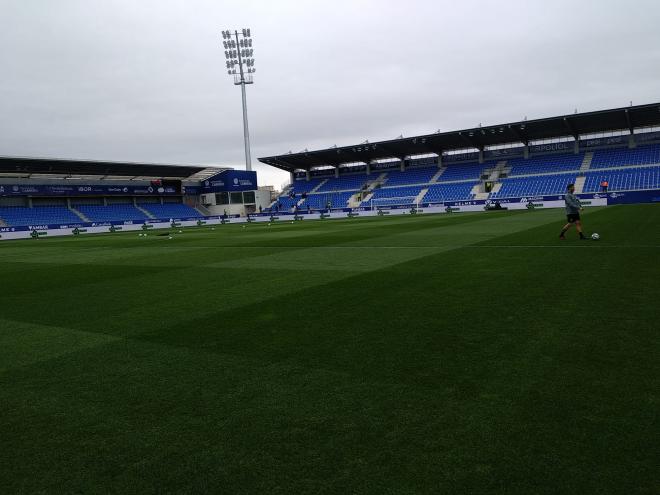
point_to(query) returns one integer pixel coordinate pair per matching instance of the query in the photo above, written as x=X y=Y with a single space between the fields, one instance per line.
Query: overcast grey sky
x=144 y=80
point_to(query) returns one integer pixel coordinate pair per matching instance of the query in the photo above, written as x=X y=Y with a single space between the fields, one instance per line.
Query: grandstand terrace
x=44 y=191
x=514 y=160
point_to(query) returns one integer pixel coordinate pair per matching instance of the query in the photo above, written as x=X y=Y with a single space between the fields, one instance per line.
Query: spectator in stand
x=604 y=185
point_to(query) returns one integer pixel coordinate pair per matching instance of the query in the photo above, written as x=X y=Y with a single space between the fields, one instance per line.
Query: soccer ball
x=269 y=225
x=595 y=236
x=169 y=237
x=180 y=231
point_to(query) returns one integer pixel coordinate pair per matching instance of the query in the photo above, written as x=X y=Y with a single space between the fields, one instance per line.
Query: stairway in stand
x=149 y=215
x=79 y=214
x=586 y=162
x=317 y=187
x=438 y=174
x=421 y=195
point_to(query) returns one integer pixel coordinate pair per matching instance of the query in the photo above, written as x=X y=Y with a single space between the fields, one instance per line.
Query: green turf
x=466 y=353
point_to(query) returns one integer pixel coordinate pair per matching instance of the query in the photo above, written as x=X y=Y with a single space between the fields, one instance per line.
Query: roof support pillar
x=481 y=155
x=526 y=151
x=368 y=168
x=576 y=147
x=403 y=165
x=631 y=141
x=307 y=175
x=292 y=176
x=439 y=160
x=337 y=172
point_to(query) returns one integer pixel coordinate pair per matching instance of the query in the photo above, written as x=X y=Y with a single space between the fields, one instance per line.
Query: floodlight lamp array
x=238 y=52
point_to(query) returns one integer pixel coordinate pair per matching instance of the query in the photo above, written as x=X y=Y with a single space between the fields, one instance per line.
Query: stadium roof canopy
x=95 y=169
x=575 y=125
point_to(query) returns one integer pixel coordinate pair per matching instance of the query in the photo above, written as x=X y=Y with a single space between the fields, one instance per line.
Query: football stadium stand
x=449 y=192
x=618 y=157
x=464 y=171
x=629 y=179
x=534 y=186
x=410 y=176
x=405 y=195
x=545 y=164
x=346 y=183
x=622 y=167
x=321 y=201
x=39 y=215
x=510 y=161
x=302 y=186
x=170 y=210
x=96 y=213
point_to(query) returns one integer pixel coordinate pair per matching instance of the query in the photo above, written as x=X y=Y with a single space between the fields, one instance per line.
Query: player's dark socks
x=582 y=236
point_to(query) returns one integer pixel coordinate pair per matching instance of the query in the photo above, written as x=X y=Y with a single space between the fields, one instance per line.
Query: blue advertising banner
x=629 y=197
x=386 y=165
x=352 y=169
x=504 y=153
x=81 y=225
x=191 y=190
x=604 y=141
x=326 y=172
x=566 y=146
x=461 y=157
x=646 y=137
x=82 y=190
x=231 y=180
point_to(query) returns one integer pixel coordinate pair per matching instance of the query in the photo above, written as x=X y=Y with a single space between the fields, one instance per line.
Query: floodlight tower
x=240 y=64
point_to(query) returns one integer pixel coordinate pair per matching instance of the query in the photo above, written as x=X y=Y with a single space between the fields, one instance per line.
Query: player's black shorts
x=573 y=217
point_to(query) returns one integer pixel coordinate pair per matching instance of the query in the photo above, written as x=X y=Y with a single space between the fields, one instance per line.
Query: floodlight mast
x=237 y=56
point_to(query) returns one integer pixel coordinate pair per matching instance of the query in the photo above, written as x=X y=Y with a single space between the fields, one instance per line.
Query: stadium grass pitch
x=465 y=353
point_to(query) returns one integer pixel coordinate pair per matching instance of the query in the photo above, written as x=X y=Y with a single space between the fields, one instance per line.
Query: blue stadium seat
x=19 y=216
x=396 y=195
x=285 y=203
x=464 y=171
x=319 y=201
x=564 y=162
x=461 y=191
x=122 y=212
x=171 y=210
x=301 y=185
x=623 y=180
x=410 y=176
x=346 y=183
x=621 y=157
x=534 y=186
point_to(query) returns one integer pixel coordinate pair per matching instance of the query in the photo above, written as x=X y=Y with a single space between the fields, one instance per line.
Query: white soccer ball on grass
x=595 y=236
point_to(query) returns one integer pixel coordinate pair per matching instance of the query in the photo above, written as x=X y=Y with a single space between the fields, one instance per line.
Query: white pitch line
x=453 y=246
